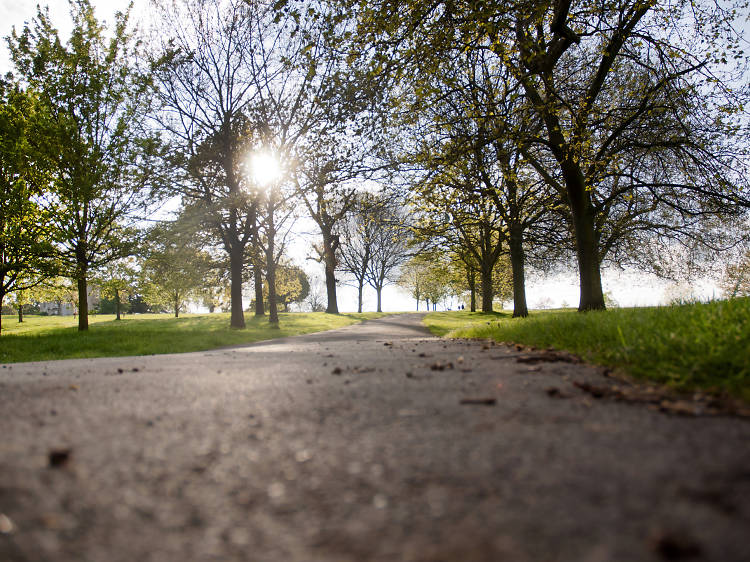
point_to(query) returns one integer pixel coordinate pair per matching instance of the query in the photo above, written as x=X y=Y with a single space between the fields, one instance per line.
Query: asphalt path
x=372 y=442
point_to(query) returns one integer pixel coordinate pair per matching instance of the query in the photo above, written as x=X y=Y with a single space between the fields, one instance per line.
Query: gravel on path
x=372 y=442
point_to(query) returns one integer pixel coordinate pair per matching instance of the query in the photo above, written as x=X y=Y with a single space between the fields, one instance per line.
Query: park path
x=372 y=442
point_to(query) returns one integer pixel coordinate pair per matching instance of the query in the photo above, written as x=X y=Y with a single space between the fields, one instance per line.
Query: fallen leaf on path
x=59 y=457
x=478 y=401
x=6 y=525
x=673 y=546
x=73 y=387
x=438 y=366
x=336 y=371
x=555 y=392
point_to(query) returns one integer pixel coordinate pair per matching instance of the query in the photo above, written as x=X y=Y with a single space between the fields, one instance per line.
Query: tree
x=117 y=280
x=735 y=281
x=636 y=145
x=216 y=58
x=292 y=285
x=94 y=100
x=359 y=235
x=25 y=246
x=390 y=242
x=173 y=269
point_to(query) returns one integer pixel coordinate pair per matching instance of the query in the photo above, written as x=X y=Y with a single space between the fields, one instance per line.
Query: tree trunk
x=330 y=243
x=360 y=289
x=471 y=279
x=2 y=296
x=379 y=290
x=176 y=304
x=427 y=302
x=517 y=259
x=487 y=291
x=83 y=302
x=235 y=272
x=20 y=313
x=117 y=303
x=587 y=251
x=416 y=296
x=258 y=281
x=273 y=315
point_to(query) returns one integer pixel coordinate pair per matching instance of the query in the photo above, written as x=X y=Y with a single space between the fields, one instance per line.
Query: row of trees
x=107 y=129
x=530 y=134
x=612 y=132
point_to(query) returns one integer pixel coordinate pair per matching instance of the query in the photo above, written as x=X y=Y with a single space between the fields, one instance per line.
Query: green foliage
x=25 y=247
x=46 y=338
x=694 y=346
x=94 y=102
x=174 y=268
x=292 y=285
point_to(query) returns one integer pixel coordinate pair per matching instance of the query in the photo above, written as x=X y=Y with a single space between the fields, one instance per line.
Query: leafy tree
x=118 y=280
x=25 y=246
x=736 y=279
x=173 y=269
x=292 y=285
x=94 y=101
x=638 y=149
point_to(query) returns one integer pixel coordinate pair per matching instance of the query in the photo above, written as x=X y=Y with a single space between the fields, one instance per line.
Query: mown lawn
x=41 y=338
x=687 y=347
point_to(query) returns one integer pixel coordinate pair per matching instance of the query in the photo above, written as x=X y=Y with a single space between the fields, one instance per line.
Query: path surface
x=354 y=445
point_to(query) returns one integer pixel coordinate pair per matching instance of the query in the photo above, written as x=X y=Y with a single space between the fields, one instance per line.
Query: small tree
x=117 y=280
x=173 y=269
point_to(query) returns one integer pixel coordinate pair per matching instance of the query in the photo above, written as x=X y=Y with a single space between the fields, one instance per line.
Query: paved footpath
x=372 y=442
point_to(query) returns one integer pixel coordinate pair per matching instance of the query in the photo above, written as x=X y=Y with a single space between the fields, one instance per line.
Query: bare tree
x=390 y=243
x=215 y=62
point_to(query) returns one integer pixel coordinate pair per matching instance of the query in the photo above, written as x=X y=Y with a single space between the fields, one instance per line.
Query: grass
x=686 y=347
x=40 y=338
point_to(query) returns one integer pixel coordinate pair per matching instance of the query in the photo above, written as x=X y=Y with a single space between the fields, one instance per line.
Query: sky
x=627 y=288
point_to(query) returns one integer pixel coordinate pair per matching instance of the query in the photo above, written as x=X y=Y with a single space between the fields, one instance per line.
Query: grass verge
x=686 y=347
x=41 y=338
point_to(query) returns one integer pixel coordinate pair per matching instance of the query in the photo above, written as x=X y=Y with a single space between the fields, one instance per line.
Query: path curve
x=371 y=442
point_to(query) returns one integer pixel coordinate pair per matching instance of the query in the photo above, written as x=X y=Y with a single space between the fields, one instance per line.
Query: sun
x=265 y=168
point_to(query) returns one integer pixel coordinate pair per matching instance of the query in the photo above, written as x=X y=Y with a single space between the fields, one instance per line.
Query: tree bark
x=260 y=309
x=20 y=313
x=83 y=301
x=487 y=291
x=117 y=303
x=235 y=272
x=273 y=315
x=587 y=251
x=517 y=264
x=379 y=290
x=330 y=243
x=471 y=279
x=360 y=289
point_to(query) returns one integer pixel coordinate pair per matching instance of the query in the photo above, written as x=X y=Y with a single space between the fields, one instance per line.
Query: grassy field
x=40 y=338
x=687 y=347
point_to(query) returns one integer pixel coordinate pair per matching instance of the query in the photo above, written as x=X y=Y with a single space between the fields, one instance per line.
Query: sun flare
x=265 y=168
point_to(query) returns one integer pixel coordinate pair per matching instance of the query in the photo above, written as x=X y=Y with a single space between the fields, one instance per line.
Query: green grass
x=687 y=347
x=41 y=338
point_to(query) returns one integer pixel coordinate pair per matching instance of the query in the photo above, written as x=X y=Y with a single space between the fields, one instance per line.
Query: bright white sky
x=628 y=289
